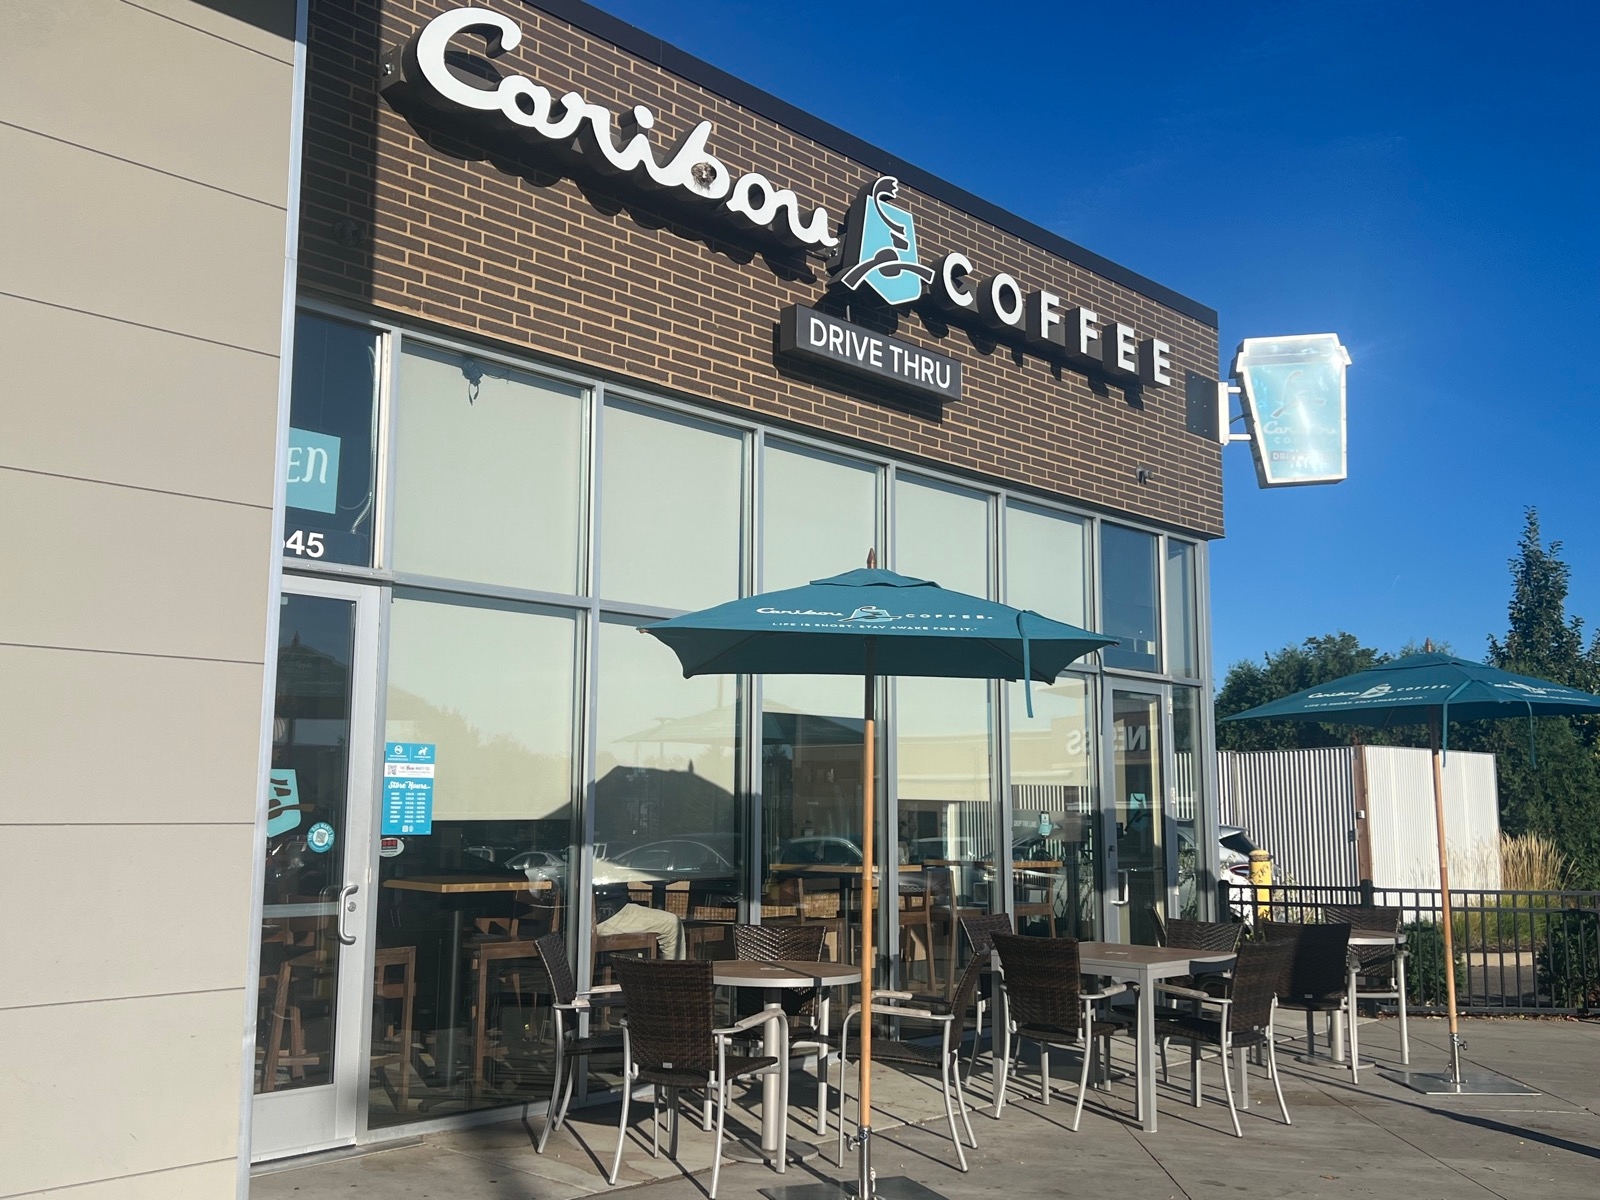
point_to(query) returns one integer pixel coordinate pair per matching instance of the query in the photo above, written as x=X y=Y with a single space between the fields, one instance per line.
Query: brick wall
x=416 y=222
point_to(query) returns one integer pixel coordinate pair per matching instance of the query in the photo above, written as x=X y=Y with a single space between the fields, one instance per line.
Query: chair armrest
x=1105 y=993
x=886 y=994
x=1186 y=993
x=752 y=1021
x=603 y=989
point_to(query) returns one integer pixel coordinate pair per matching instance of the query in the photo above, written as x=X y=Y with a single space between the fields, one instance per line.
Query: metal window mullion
x=1003 y=872
x=747 y=690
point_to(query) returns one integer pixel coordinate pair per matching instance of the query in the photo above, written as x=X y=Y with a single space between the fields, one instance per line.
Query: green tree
x=1293 y=669
x=1560 y=796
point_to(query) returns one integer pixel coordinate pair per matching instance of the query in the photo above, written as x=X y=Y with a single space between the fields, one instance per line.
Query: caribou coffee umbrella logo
x=880 y=249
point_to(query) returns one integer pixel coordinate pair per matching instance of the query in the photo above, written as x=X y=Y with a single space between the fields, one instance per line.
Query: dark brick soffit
x=652 y=49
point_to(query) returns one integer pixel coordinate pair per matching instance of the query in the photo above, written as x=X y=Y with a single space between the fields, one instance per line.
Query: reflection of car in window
x=665 y=861
x=818 y=851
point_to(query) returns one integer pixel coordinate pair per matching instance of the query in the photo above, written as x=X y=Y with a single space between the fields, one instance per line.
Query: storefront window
x=1186 y=768
x=488 y=473
x=1182 y=658
x=1045 y=555
x=332 y=423
x=488 y=685
x=941 y=533
x=943 y=742
x=668 y=857
x=1053 y=845
x=1128 y=606
x=670 y=509
x=819 y=516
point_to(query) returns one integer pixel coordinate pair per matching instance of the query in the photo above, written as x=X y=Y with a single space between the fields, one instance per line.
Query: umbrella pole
x=869 y=772
x=1444 y=905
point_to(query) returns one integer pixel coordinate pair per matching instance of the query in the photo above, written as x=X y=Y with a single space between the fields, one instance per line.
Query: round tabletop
x=781 y=973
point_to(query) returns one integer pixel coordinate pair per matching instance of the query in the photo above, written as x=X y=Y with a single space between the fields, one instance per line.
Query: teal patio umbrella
x=870 y=623
x=1430 y=689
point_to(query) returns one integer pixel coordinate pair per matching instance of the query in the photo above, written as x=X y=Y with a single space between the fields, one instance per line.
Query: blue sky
x=1422 y=179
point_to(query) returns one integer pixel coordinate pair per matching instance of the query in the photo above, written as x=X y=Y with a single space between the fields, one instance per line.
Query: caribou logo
x=880 y=249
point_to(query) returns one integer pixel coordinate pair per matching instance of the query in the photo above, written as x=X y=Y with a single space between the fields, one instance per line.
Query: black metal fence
x=1515 y=952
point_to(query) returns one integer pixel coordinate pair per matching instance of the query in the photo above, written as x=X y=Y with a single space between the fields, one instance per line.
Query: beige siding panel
x=265 y=26
x=205 y=1181
x=168 y=903
x=110 y=237
x=118 y=1087
x=127 y=404
x=89 y=738
x=166 y=95
x=110 y=568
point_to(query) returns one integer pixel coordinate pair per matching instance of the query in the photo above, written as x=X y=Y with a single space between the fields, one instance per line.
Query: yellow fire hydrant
x=1261 y=883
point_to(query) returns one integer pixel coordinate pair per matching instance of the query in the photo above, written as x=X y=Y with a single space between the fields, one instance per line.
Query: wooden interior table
x=455 y=893
x=773 y=976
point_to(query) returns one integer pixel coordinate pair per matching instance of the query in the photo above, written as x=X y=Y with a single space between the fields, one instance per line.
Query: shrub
x=1425 y=982
x=1568 y=962
x=1531 y=862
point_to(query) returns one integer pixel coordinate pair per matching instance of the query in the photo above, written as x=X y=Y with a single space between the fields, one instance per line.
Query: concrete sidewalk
x=1376 y=1140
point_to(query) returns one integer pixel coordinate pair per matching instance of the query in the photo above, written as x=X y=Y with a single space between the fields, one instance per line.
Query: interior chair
x=387 y=963
x=1046 y=1004
x=1034 y=897
x=980 y=930
x=1318 y=979
x=670 y=1041
x=916 y=925
x=1380 y=970
x=908 y=1010
x=948 y=911
x=1235 y=1022
x=568 y=1006
x=496 y=969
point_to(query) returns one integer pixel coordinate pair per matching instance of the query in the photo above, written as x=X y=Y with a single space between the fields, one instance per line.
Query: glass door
x=315 y=950
x=1136 y=810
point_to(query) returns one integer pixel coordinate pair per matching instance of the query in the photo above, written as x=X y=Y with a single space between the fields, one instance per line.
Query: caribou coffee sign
x=603 y=142
x=873 y=251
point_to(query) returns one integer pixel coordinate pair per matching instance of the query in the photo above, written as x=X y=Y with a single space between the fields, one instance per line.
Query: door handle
x=346 y=905
x=1122 y=890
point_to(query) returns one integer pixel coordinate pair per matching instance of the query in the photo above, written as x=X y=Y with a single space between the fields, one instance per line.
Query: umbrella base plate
x=1471 y=1083
x=896 y=1187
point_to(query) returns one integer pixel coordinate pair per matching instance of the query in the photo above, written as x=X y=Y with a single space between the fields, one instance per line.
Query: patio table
x=1145 y=966
x=773 y=976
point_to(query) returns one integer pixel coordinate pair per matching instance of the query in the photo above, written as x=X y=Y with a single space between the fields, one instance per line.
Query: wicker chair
x=1215 y=937
x=1380 y=970
x=1046 y=1003
x=1244 y=1022
x=980 y=931
x=945 y=1058
x=809 y=1031
x=670 y=1041
x=1318 y=979
x=567 y=1006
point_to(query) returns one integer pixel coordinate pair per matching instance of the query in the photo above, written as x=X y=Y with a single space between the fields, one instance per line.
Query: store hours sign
x=408 y=769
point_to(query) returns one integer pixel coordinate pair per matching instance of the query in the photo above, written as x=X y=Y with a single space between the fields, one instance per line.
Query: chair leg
x=844 y=1079
x=822 y=1091
x=1002 y=1066
x=1244 y=1078
x=622 y=1122
x=1194 y=1074
x=1272 y=1070
x=566 y=1095
x=1044 y=1073
x=950 y=1112
x=977 y=1039
x=1083 y=1081
x=655 y=1122
x=1227 y=1086
x=961 y=1098
x=1165 y=1077
x=1355 y=1034
x=672 y=1123
x=555 y=1090
x=722 y=1112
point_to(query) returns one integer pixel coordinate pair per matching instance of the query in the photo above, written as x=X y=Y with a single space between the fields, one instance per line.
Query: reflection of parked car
x=540 y=866
x=815 y=851
x=665 y=861
x=1233 y=856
